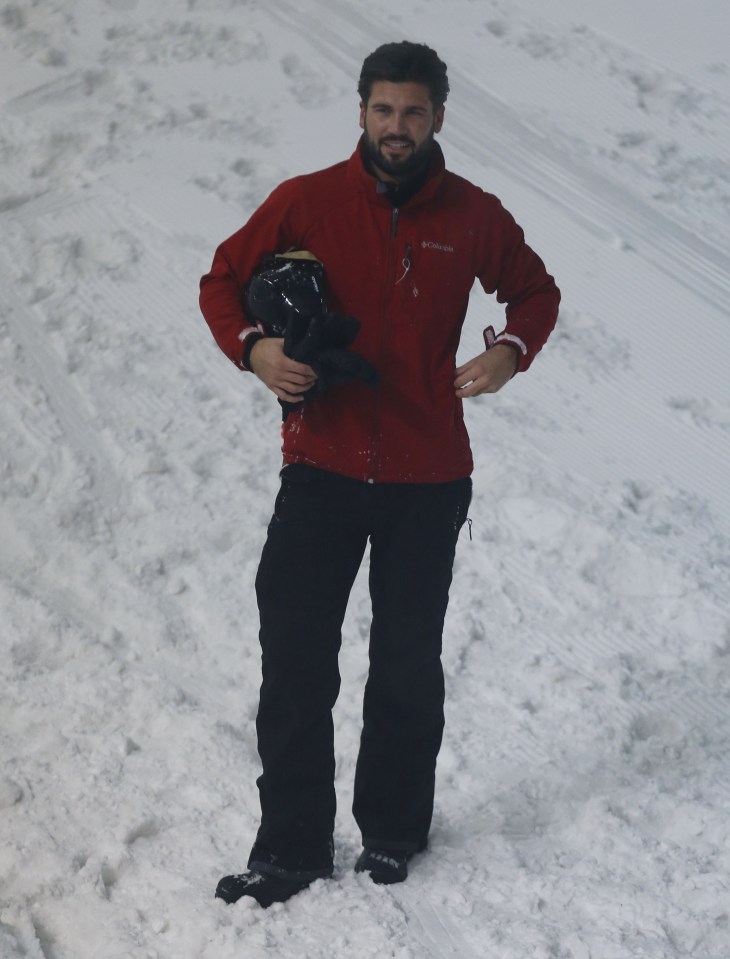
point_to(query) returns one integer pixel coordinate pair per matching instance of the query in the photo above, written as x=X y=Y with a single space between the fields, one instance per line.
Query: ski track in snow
x=582 y=784
x=483 y=127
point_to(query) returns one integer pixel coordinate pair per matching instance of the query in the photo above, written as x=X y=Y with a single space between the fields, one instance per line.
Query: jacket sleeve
x=512 y=270
x=221 y=290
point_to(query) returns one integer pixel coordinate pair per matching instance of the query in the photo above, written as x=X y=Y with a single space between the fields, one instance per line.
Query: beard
x=399 y=167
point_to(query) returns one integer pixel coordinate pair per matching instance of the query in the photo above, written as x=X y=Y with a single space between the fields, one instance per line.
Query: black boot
x=261 y=886
x=386 y=866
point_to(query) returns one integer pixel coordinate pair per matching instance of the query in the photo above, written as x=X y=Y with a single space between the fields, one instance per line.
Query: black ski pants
x=316 y=541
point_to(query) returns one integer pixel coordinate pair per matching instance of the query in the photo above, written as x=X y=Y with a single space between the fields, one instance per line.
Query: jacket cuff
x=506 y=339
x=250 y=339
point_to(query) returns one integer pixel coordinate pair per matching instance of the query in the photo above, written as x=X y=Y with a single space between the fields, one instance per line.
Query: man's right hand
x=285 y=377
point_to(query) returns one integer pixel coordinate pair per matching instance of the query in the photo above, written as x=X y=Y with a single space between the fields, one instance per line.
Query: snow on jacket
x=405 y=273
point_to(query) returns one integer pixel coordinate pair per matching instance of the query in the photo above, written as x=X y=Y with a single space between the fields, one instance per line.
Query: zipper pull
x=405 y=263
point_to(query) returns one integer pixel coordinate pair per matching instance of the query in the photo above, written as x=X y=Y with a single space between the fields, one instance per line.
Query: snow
x=582 y=788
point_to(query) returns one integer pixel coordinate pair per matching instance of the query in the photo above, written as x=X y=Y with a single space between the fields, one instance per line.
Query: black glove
x=321 y=342
x=337 y=366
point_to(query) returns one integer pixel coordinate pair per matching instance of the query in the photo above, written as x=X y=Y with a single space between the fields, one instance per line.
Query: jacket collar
x=371 y=186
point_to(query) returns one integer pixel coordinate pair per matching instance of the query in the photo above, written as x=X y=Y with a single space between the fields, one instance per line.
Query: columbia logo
x=431 y=245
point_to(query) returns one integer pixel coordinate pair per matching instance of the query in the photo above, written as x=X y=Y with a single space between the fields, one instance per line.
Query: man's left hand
x=487 y=372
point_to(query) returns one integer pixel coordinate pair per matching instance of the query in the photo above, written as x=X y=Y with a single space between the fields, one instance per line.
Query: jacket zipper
x=384 y=337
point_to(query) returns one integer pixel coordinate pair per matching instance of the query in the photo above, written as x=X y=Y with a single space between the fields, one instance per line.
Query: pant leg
x=411 y=563
x=314 y=547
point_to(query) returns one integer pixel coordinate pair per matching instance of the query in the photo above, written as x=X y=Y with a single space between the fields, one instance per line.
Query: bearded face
x=399 y=123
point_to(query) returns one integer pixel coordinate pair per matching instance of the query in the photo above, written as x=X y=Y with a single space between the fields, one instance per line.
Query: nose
x=397 y=123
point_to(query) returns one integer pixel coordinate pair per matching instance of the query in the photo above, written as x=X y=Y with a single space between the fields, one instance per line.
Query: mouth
x=396 y=146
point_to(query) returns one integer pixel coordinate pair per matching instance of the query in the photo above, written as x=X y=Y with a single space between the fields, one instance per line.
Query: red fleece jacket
x=405 y=273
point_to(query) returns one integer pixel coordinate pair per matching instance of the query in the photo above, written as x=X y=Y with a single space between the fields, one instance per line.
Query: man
x=402 y=241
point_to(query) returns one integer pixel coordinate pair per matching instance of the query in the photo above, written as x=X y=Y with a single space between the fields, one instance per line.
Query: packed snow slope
x=582 y=808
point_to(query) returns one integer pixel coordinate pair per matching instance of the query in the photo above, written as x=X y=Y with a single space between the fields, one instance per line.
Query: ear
x=362 y=115
x=438 y=119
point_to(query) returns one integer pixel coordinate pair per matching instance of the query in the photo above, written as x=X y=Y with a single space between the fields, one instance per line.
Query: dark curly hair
x=405 y=62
